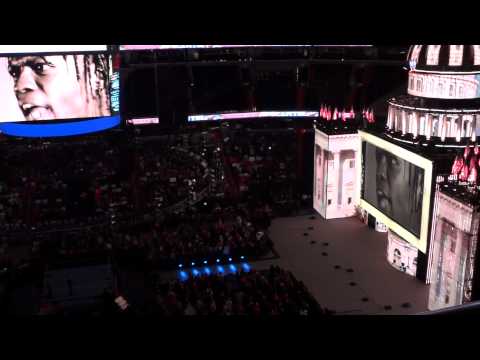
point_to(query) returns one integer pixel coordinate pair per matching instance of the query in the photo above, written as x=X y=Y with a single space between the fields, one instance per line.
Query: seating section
x=273 y=292
x=153 y=204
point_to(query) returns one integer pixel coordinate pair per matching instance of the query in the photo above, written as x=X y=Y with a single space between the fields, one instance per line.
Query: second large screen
x=394 y=186
x=71 y=86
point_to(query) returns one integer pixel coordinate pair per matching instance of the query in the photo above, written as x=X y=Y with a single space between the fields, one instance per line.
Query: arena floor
x=351 y=245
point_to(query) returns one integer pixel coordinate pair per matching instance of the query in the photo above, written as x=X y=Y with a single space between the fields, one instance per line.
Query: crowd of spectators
x=89 y=195
x=12 y=193
x=110 y=198
x=83 y=196
x=61 y=185
x=263 y=164
x=274 y=292
x=167 y=175
x=197 y=234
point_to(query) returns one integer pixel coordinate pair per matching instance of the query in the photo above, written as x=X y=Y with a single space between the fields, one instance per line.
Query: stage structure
x=454 y=260
x=399 y=167
x=336 y=146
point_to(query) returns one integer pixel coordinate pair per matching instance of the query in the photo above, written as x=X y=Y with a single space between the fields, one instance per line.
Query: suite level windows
x=456 y=55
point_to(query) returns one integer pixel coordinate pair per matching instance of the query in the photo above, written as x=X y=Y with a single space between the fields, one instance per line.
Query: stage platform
x=346 y=267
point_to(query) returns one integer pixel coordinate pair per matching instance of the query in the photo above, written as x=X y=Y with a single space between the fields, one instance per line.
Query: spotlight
x=205 y=262
x=220 y=269
x=242 y=257
x=180 y=266
x=233 y=268
x=229 y=259
x=193 y=264
x=218 y=260
x=195 y=272
x=207 y=271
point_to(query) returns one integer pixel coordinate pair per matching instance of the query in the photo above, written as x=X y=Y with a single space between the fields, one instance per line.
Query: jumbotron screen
x=44 y=49
x=41 y=87
x=394 y=186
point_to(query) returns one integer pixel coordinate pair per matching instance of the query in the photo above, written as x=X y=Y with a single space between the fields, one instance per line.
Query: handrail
x=464 y=309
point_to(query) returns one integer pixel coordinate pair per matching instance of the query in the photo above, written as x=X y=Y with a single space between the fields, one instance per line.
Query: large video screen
x=31 y=49
x=36 y=87
x=396 y=188
x=401 y=255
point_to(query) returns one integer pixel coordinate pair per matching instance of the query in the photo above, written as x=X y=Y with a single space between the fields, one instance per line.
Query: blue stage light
x=246 y=267
x=220 y=269
x=207 y=271
x=195 y=272
x=233 y=268
x=183 y=275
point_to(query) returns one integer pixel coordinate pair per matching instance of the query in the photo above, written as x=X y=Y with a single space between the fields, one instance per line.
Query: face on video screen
x=395 y=187
x=40 y=88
